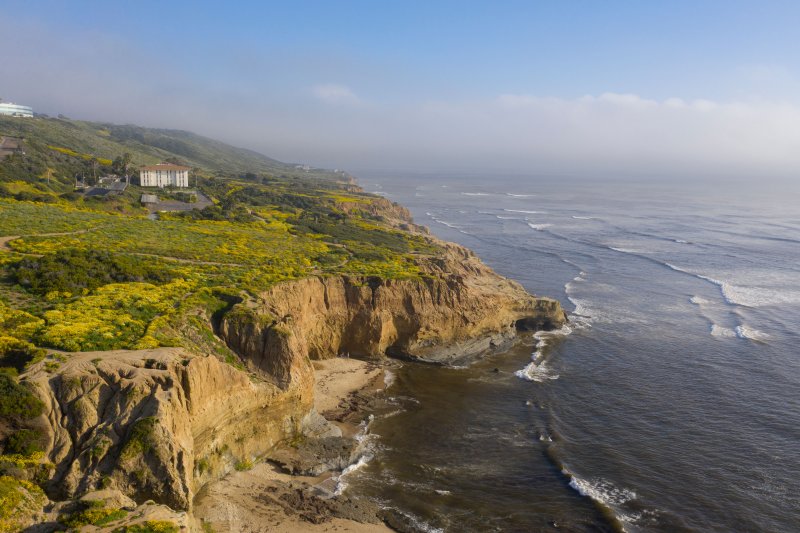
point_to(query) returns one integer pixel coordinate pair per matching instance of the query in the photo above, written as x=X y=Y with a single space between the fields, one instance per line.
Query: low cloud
x=334 y=93
x=328 y=124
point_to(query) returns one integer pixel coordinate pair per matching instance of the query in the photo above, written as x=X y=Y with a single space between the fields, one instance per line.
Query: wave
x=341 y=484
x=576 y=217
x=388 y=378
x=600 y=490
x=445 y=223
x=538 y=370
x=745 y=332
x=520 y=195
x=506 y=218
x=745 y=296
x=525 y=211
x=626 y=250
x=475 y=193
x=698 y=300
x=539 y=227
x=719 y=331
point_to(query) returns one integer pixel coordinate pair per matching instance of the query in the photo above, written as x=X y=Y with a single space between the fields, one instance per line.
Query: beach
x=268 y=498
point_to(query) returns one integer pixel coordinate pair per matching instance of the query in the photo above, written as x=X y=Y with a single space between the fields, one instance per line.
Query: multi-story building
x=15 y=110
x=164 y=175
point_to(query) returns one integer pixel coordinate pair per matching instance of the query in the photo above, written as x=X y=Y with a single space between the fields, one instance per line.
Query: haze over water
x=671 y=402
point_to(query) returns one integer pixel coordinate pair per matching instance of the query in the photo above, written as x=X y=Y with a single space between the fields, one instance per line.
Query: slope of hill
x=56 y=149
x=145 y=354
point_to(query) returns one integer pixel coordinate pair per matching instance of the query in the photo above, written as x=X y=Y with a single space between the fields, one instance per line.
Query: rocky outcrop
x=457 y=308
x=158 y=424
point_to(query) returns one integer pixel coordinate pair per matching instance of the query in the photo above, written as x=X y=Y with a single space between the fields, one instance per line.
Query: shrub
x=24 y=442
x=18 y=354
x=16 y=401
x=76 y=271
x=92 y=513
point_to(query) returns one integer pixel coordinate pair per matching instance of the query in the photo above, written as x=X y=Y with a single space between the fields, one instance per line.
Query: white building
x=15 y=110
x=164 y=175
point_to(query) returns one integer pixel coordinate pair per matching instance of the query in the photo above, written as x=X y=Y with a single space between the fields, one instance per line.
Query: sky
x=616 y=88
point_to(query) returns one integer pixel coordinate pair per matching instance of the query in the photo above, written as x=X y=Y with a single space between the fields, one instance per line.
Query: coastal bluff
x=160 y=424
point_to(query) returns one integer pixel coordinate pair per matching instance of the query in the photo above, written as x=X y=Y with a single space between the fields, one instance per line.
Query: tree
x=121 y=164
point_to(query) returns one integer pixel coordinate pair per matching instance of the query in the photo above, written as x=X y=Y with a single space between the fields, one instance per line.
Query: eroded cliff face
x=459 y=307
x=158 y=424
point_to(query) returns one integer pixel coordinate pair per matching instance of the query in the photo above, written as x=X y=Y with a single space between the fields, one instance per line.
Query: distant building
x=15 y=110
x=164 y=175
x=9 y=146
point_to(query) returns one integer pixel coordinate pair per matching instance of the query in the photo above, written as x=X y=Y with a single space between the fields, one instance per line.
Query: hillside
x=62 y=148
x=147 y=353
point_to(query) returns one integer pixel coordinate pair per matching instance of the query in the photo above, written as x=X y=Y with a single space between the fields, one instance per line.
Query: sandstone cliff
x=459 y=307
x=159 y=424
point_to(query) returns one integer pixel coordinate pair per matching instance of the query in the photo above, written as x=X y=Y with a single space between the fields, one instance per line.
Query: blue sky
x=544 y=86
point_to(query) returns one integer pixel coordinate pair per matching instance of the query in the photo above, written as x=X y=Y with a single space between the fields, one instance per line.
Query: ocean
x=670 y=403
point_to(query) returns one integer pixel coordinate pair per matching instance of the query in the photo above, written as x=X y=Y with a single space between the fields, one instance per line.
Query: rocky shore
x=293 y=491
x=184 y=430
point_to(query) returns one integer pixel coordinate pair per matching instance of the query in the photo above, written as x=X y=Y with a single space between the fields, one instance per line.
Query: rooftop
x=165 y=166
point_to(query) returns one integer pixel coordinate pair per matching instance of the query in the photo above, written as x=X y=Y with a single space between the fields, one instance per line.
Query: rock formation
x=159 y=424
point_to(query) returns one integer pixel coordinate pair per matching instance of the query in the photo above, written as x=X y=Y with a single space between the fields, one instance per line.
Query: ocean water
x=670 y=403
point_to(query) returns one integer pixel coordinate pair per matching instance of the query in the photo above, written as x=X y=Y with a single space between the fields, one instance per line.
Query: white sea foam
x=520 y=195
x=746 y=332
x=524 y=211
x=539 y=373
x=538 y=370
x=475 y=194
x=539 y=227
x=719 y=331
x=576 y=217
x=388 y=378
x=600 y=490
x=506 y=218
x=445 y=223
x=698 y=300
x=341 y=484
x=626 y=250
x=442 y=492
x=748 y=296
x=681 y=241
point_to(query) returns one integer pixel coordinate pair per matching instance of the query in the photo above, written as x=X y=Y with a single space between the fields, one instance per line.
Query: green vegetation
x=150 y=526
x=82 y=273
x=141 y=440
x=243 y=465
x=19 y=499
x=92 y=512
x=17 y=403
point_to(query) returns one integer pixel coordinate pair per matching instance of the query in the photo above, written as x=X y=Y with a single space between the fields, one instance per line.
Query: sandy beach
x=265 y=498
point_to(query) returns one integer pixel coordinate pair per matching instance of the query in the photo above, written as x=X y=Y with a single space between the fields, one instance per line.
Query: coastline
x=267 y=497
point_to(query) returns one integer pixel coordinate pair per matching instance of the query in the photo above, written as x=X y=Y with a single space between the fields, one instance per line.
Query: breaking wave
x=539 y=227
